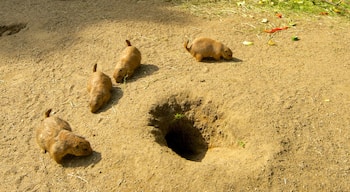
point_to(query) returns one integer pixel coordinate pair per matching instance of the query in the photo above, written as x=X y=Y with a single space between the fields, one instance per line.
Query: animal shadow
x=212 y=60
x=234 y=59
x=74 y=161
x=143 y=71
x=116 y=95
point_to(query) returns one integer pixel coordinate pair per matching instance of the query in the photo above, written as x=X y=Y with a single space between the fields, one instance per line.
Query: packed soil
x=275 y=118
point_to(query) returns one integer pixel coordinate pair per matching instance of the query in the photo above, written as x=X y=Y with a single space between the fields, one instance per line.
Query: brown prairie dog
x=99 y=86
x=55 y=136
x=203 y=47
x=129 y=61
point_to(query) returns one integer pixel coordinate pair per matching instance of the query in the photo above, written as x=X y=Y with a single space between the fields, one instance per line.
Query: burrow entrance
x=184 y=125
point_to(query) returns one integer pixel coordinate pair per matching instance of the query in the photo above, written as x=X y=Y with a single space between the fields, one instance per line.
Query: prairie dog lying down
x=129 y=61
x=203 y=47
x=99 y=86
x=55 y=136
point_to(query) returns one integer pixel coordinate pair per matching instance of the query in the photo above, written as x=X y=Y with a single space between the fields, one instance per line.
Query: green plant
x=241 y=143
x=341 y=7
x=224 y=7
x=178 y=116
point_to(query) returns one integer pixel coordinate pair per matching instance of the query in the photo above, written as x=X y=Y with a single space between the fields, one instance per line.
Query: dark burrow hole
x=186 y=140
x=177 y=131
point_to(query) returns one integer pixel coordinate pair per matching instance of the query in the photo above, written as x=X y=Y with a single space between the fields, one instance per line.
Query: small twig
x=249 y=25
x=124 y=80
x=113 y=109
x=78 y=177
x=258 y=36
x=71 y=103
x=42 y=161
x=334 y=4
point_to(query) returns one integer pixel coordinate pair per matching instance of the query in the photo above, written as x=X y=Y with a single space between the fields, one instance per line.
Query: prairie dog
x=55 y=136
x=99 y=86
x=203 y=47
x=129 y=61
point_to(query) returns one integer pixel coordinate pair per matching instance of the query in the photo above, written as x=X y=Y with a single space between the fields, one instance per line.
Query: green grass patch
x=224 y=7
x=330 y=7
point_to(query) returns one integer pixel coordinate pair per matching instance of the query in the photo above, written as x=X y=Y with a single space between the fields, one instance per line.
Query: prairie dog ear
x=94 y=68
x=47 y=113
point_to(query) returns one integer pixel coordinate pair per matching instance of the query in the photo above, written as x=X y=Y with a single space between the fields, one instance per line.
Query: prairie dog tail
x=128 y=42
x=47 y=113
x=185 y=45
x=95 y=68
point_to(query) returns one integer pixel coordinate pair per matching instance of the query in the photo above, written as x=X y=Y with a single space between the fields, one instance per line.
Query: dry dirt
x=276 y=118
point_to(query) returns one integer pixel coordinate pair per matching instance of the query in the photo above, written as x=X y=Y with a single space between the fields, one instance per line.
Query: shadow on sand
x=73 y=161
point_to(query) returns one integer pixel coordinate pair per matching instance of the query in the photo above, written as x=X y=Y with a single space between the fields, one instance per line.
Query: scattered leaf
x=247 y=43
x=291 y=23
x=336 y=10
x=264 y=20
x=295 y=38
x=271 y=42
x=275 y=29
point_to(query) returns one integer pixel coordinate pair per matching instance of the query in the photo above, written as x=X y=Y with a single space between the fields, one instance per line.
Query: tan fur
x=55 y=136
x=205 y=47
x=129 y=61
x=99 y=86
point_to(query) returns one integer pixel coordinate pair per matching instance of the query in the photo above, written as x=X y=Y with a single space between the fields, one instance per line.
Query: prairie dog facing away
x=129 y=61
x=99 y=86
x=55 y=136
x=204 y=47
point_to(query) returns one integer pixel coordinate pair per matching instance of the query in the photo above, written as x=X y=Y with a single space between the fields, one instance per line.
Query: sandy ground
x=276 y=118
